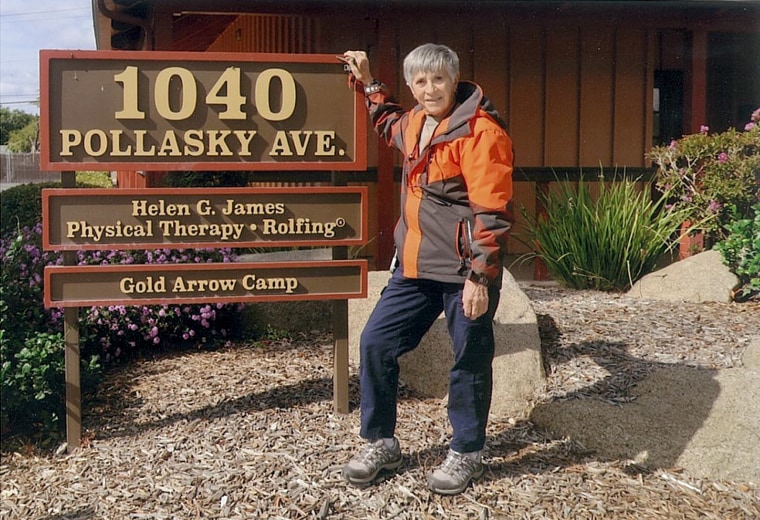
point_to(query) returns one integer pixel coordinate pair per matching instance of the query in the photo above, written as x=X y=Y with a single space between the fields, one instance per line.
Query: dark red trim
x=46 y=164
x=48 y=194
x=51 y=271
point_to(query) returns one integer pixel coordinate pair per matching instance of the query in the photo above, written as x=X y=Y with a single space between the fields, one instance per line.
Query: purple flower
x=722 y=157
x=714 y=206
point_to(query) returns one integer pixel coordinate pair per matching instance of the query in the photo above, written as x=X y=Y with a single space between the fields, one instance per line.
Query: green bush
x=33 y=385
x=31 y=350
x=713 y=176
x=21 y=206
x=607 y=243
x=228 y=179
x=741 y=252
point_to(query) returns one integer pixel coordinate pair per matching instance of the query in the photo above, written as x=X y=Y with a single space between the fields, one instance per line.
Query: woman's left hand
x=474 y=299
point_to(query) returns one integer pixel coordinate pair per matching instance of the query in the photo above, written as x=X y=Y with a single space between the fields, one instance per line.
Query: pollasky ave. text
x=197 y=143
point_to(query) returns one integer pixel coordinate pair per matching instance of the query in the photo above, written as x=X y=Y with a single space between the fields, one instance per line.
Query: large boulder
x=518 y=370
x=312 y=314
x=696 y=279
x=700 y=419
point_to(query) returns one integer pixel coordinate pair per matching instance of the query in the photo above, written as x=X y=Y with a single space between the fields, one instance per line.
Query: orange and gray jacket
x=455 y=193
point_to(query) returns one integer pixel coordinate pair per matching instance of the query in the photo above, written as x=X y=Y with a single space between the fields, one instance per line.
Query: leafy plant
x=32 y=352
x=713 y=176
x=13 y=120
x=207 y=179
x=26 y=139
x=21 y=206
x=741 y=252
x=605 y=243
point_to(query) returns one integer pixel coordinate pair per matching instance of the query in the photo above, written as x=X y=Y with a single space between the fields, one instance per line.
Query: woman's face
x=435 y=92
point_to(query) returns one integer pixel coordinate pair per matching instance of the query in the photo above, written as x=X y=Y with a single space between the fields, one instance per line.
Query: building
x=581 y=84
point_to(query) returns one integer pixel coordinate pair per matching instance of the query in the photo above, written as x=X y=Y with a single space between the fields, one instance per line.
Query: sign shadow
x=642 y=410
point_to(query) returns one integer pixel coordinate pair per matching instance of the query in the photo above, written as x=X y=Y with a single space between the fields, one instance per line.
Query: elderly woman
x=450 y=240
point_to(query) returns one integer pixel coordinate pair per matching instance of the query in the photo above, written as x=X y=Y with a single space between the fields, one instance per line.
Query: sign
x=97 y=285
x=118 y=110
x=91 y=219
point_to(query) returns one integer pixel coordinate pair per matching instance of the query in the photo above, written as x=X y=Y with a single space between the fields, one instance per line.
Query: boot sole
x=390 y=466
x=455 y=491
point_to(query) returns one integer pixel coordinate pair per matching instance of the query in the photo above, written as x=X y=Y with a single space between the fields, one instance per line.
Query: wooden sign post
x=161 y=111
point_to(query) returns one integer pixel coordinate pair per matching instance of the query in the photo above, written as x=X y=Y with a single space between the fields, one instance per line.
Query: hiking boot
x=373 y=457
x=454 y=475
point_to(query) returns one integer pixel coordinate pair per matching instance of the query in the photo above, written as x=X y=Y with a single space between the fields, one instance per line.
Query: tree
x=13 y=120
x=26 y=139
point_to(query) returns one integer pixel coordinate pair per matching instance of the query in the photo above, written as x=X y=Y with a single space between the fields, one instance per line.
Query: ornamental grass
x=605 y=242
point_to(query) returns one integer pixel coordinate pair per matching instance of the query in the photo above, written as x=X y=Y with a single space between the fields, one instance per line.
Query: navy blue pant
x=406 y=310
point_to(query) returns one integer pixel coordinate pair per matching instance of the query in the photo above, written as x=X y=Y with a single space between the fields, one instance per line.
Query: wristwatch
x=481 y=278
x=373 y=87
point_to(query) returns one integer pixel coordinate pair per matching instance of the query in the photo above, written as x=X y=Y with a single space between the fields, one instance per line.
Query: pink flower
x=714 y=206
x=704 y=129
x=749 y=126
x=756 y=116
x=722 y=157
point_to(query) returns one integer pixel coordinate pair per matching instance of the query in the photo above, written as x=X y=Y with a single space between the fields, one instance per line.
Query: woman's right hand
x=359 y=64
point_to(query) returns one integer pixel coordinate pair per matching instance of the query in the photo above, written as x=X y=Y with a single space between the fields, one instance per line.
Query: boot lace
x=458 y=466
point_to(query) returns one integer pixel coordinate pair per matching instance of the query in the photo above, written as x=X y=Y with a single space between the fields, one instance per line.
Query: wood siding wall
x=269 y=33
x=574 y=82
x=573 y=94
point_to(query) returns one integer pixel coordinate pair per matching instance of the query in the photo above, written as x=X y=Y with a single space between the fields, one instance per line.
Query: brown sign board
x=138 y=110
x=99 y=219
x=99 y=285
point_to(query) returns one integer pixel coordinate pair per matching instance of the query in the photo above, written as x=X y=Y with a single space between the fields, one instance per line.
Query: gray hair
x=430 y=57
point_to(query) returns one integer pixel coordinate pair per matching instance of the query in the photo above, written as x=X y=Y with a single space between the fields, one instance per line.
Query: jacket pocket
x=464 y=244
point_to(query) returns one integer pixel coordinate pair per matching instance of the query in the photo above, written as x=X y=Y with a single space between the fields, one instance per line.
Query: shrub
x=31 y=351
x=207 y=179
x=21 y=206
x=713 y=176
x=114 y=330
x=604 y=244
x=741 y=252
x=32 y=384
x=32 y=348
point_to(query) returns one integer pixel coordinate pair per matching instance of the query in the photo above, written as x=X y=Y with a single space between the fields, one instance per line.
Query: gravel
x=249 y=432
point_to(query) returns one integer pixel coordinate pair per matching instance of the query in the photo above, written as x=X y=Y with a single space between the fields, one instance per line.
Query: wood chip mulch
x=249 y=432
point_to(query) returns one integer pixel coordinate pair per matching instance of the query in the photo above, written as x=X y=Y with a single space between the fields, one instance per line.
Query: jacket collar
x=469 y=99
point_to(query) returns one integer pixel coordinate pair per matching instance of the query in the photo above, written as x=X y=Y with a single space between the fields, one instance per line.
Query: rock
x=699 y=419
x=696 y=279
x=517 y=366
x=312 y=314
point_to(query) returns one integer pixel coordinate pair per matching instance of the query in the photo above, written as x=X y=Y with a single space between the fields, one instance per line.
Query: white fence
x=22 y=168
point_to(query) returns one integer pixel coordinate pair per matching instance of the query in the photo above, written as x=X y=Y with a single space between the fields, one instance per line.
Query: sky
x=25 y=28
